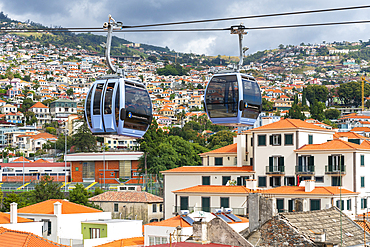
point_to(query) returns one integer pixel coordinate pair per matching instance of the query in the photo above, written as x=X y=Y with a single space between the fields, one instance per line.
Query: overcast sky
x=93 y=13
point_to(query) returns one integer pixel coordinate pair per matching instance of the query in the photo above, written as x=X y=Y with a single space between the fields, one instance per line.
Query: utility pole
x=104 y=162
x=65 y=161
x=145 y=174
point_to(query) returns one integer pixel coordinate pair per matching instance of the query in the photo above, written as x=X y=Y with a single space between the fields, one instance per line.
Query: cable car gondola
x=232 y=98
x=116 y=105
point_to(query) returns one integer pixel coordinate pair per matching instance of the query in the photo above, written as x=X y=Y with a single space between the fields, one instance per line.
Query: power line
x=250 y=17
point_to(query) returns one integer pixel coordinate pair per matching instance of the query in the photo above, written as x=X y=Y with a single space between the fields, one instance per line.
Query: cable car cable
x=249 y=17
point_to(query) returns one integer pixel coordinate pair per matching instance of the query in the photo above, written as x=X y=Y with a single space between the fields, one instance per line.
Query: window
x=288 y=139
x=310 y=139
x=335 y=163
x=218 y=161
x=340 y=204
x=225 y=179
x=363 y=203
x=206 y=204
x=306 y=164
x=161 y=207
x=261 y=140
x=97 y=99
x=109 y=142
x=206 y=180
x=280 y=205
x=275 y=181
x=349 y=204
x=362 y=160
x=362 y=182
x=262 y=182
x=94 y=233
x=315 y=204
x=289 y=181
x=224 y=202
x=276 y=164
x=319 y=179
x=116 y=207
x=336 y=181
x=184 y=203
x=154 y=208
x=275 y=140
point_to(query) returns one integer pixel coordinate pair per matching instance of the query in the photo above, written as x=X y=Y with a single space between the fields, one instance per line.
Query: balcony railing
x=237 y=211
x=330 y=169
x=275 y=169
x=305 y=169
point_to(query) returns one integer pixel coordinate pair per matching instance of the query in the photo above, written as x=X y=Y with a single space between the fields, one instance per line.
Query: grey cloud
x=92 y=13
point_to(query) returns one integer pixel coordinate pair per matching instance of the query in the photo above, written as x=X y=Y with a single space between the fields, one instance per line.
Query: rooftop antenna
x=110 y=25
x=240 y=30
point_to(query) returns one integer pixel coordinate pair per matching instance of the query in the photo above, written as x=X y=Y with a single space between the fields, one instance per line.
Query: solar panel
x=188 y=220
x=233 y=217
x=227 y=220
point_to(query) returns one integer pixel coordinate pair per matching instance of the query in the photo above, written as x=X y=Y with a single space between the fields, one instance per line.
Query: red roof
x=39 y=105
x=210 y=169
x=230 y=149
x=47 y=207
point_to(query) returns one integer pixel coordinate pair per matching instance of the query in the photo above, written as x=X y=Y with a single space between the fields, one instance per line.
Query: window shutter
x=311 y=161
x=271 y=181
x=300 y=161
x=330 y=163
x=271 y=139
x=281 y=161
x=271 y=161
x=279 y=139
x=342 y=163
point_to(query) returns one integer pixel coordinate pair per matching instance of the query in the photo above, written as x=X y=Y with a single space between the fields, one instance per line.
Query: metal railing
x=330 y=169
x=237 y=211
x=305 y=169
x=275 y=169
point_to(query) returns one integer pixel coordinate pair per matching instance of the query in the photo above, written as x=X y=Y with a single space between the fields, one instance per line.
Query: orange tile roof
x=365 y=129
x=42 y=161
x=138 y=241
x=221 y=189
x=364 y=224
x=24 y=239
x=21 y=159
x=210 y=169
x=322 y=190
x=288 y=123
x=365 y=144
x=39 y=105
x=126 y=196
x=336 y=144
x=349 y=135
x=5 y=219
x=171 y=222
x=43 y=136
x=227 y=149
x=47 y=207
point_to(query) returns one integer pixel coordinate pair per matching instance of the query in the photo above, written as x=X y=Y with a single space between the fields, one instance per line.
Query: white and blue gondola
x=233 y=99
x=118 y=106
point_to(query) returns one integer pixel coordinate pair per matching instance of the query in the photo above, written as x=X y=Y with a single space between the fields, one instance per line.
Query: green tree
x=332 y=114
x=83 y=140
x=26 y=104
x=10 y=198
x=267 y=105
x=351 y=93
x=69 y=91
x=51 y=130
x=153 y=59
x=79 y=195
x=316 y=92
x=295 y=112
x=317 y=110
x=220 y=139
x=46 y=189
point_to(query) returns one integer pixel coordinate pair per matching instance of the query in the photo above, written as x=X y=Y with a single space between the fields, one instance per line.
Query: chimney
x=251 y=184
x=309 y=185
x=13 y=213
x=57 y=208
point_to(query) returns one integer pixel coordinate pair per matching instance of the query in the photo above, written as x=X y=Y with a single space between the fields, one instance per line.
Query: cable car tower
x=115 y=104
x=232 y=98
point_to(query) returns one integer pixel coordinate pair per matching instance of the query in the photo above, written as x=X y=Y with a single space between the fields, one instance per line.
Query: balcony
x=305 y=169
x=275 y=169
x=335 y=170
x=237 y=211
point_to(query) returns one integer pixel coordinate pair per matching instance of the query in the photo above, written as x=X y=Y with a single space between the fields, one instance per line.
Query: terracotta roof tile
x=349 y=135
x=227 y=149
x=39 y=105
x=171 y=222
x=47 y=207
x=126 y=196
x=210 y=169
x=5 y=219
x=322 y=190
x=138 y=241
x=288 y=123
x=336 y=144
x=364 y=129
x=23 y=239
x=221 y=189
x=364 y=224
x=21 y=159
x=365 y=144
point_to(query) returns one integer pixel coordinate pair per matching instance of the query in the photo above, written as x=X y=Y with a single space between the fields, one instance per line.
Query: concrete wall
x=33 y=227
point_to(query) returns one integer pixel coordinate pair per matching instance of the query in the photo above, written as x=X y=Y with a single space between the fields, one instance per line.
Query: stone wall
x=221 y=233
x=278 y=232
